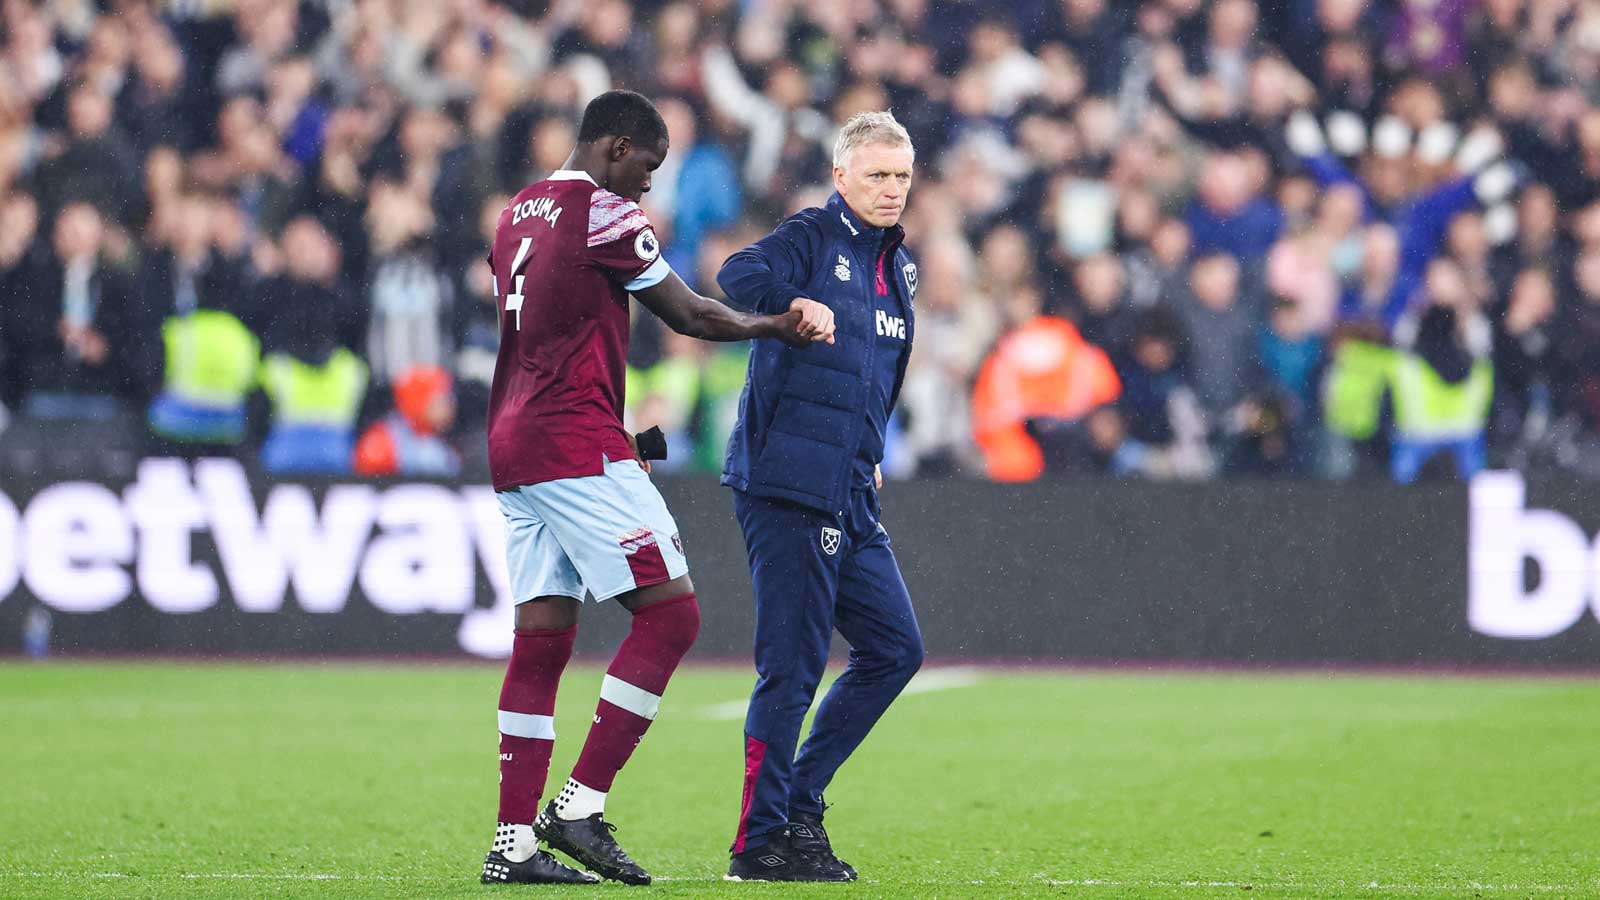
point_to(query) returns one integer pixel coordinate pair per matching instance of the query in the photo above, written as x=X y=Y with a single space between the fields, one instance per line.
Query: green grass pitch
x=363 y=780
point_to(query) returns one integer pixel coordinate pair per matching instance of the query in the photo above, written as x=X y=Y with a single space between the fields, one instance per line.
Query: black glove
x=652 y=443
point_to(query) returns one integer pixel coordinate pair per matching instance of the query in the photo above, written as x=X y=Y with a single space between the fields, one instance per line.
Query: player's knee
x=676 y=622
x=687 y=622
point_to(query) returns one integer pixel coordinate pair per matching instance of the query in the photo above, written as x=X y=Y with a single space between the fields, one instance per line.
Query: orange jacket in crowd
x=407 y=441
x=1045 y=369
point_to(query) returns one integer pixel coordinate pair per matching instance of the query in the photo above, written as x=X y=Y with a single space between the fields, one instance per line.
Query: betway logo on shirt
x=891 y=326
x=1504 y=537
x=411 y=548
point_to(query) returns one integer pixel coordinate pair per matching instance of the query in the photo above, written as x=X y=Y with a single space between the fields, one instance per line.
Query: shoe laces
x=604 y=830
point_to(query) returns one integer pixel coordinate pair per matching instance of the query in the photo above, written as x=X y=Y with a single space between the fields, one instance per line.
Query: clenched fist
x=810 y=322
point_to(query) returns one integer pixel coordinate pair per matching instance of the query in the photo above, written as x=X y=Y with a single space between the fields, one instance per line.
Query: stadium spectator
x=1291 y=357
x=210 y=356
x=1443 y=381
x=1538 y=243
x=1220 y=323
x=312 y=376
x=19 y=222
x=1040 y=378
x=697 y=185
x=1230 y=214
x=1160 y=267
x=1376 y=291
x=1103 y=313
x=1527 y=367
x=408 y=441
x=95 y=164
x=411 y=299
x=1579 y=346
x=955 y=327
x=75 y=326
x=1151 y=371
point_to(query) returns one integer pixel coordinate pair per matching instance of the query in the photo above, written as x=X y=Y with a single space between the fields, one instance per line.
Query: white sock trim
x=636 y=700
x=527 y=725
x=577 y=801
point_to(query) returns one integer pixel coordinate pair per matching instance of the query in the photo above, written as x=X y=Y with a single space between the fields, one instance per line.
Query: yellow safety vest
x=1428 y=408
x=211 y=359
x=328 y=395
x=1352 y=399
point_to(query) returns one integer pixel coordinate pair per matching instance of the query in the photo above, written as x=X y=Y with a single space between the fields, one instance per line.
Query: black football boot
x=778 y=860
x=540 y=868
x=807 y=835
x=589 y=842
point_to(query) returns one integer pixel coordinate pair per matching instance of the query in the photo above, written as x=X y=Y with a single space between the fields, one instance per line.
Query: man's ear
x=838 y=179
x=620 y=147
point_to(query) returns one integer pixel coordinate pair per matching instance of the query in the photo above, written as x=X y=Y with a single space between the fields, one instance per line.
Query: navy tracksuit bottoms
x=814 y=572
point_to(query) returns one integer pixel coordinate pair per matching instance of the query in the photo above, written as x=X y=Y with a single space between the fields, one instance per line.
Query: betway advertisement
x=1534 y=573
x=186 y=540
x=209 y=558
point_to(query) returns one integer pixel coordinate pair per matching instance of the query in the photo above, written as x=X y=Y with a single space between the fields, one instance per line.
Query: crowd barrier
x=207 y=558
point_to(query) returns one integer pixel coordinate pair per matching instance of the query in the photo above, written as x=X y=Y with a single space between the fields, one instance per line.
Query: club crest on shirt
x=646 y=246
x=911 y=278
x=830 y=540
x=842 y=270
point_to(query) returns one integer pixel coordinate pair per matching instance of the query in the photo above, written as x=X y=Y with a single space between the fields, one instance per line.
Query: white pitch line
x=925 y=682
x=1307 y=885
x=1041 y=881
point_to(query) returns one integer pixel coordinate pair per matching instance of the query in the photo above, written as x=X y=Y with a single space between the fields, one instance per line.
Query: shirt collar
x=570 y=175
x=840 y=212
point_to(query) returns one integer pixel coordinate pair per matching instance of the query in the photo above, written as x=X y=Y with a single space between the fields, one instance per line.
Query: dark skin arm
x=692 y=315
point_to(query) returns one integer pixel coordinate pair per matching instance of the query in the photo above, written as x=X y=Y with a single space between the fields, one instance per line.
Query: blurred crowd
x=1174 y=239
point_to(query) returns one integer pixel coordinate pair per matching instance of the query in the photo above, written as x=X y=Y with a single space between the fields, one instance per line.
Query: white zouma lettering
x=538 y=208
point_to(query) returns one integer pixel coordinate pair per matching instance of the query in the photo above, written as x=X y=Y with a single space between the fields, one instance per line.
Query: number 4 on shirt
x=514 y=299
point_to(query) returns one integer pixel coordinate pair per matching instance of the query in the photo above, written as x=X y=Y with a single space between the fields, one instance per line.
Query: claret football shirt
x=566 y=253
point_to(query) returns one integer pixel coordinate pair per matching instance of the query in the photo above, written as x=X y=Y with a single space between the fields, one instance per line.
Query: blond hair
x=875 y=127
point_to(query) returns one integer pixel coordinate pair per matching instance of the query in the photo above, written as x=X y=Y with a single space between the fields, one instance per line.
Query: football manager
x=803 y=463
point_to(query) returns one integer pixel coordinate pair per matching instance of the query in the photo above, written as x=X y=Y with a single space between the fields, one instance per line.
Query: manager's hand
x=807 y=322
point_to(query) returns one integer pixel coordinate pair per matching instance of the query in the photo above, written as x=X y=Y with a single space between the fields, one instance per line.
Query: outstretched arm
x=805 y=322
x=766 y=276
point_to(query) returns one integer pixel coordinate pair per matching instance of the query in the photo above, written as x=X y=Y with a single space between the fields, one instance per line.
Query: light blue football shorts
x=606 y=534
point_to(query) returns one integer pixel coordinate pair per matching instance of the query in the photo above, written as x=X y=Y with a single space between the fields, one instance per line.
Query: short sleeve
x=622 y=243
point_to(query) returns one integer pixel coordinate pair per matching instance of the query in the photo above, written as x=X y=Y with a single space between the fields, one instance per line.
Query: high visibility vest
x=1428 y=408
x=327 y=396
x=211 y=359
x=675 y=377
x=1352 y=394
